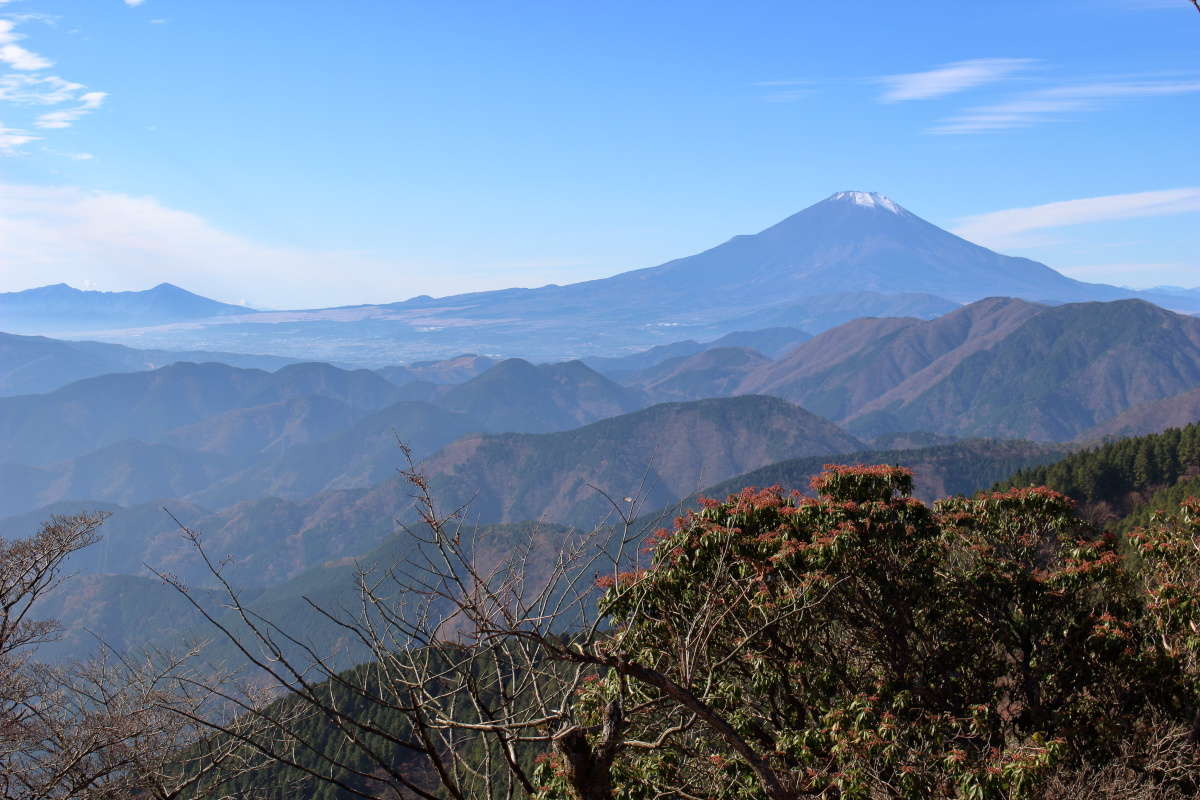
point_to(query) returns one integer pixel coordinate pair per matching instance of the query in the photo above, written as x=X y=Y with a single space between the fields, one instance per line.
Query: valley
x=259 y=487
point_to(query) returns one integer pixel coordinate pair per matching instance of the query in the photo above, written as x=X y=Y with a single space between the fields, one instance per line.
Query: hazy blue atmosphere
x=599 y=400
x=370 y=152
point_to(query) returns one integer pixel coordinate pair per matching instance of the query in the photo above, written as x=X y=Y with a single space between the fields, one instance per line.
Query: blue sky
x=307 y=154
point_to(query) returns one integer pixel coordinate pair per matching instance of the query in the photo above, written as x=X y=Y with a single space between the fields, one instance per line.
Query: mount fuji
x=854 y=254
x=850 y=242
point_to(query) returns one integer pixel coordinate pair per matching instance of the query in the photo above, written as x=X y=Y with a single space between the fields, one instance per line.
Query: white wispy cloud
x=37 y=90
x=72 y=156
x=950 y=78
x=1049 y=104
x=28 y=86
x=88 y=102
x=16 y=56
x=1009 y=228
x=134 y=2
x=11 y=139
x=121 y=241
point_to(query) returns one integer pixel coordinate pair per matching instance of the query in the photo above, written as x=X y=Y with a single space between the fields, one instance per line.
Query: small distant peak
x=868 y=200
x=52 y=287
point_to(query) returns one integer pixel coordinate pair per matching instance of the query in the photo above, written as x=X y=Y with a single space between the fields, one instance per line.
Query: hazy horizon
x=377 y=152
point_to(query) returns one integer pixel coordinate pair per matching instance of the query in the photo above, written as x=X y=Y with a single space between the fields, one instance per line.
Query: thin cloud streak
x=16 y=56
x=1008 y=228
x=1045 y=105
x=27 y=86
x=950 y=78
x=11 y=140
x=37 y=90
x=88 y=102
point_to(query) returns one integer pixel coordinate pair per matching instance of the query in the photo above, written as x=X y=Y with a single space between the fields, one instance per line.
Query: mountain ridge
x=831 y=262
x=61 y=308
x=998 y=367
x=657 y=454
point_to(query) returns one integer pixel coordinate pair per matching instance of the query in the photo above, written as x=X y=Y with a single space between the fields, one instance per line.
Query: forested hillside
x=898 y=608
x=654 y=456
x=998 y=367
x=1113 y=479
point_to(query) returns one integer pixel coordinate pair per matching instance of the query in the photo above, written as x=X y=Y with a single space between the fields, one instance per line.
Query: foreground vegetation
x=1115 y=478
x=853 y=644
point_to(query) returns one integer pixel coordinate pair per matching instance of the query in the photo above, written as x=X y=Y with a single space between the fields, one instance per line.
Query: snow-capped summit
x=869 y=200
x=852 y=242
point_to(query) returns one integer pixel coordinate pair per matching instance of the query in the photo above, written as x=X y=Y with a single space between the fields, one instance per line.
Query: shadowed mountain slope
x=93 y=413
x=364 y=454
x=450 y=370
x=657 y=455
x=1172 y=412
x=358 y=388
x=841 y=370
x=125 y=612
x=273 y=427
x=771 y=342
x=126 y=472
x=998 y=367
x=711 y=373
x=515 y=395
x=36 y=364
x=1059 y=373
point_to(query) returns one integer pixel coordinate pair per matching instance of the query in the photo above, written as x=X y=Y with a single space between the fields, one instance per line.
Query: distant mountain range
x=36 y=364
x=275 y=539
x=516 y=477
x=96 y=412
x=61 y=308
x=997 y=367
x=771 y=342
x=851 y=255
x=653 y=456
x=851 y=331
x=710 y=373
x=450 y=370
x=515 y=395
x=220 y=435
